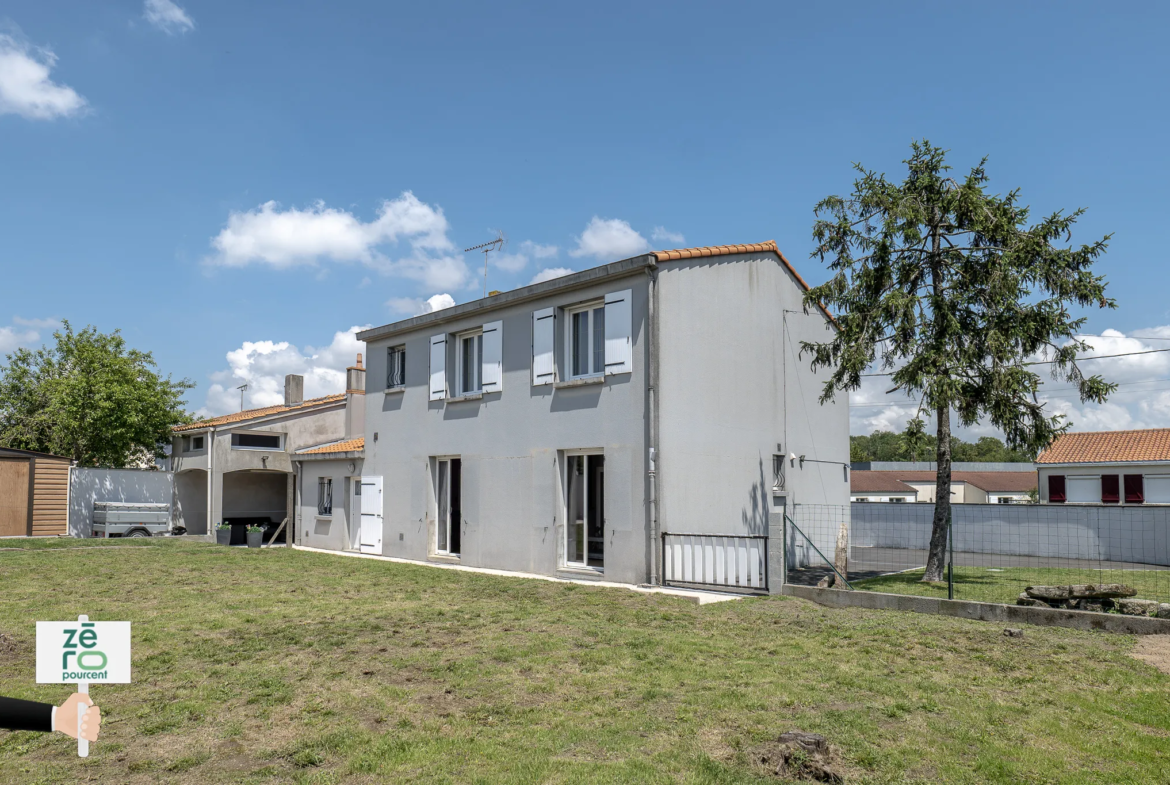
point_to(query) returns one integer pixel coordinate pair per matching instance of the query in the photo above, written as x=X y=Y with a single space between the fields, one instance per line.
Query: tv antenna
x=494 y=245
x=241 y=388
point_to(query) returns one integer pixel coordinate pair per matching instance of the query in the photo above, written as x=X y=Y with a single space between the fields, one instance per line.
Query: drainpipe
x=652 y=405
x=210 y=483
x=296 y=513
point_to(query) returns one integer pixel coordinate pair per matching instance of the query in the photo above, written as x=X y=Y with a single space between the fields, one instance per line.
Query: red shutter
x=1134 y=489
x=1056 y=488
x=1110 y=489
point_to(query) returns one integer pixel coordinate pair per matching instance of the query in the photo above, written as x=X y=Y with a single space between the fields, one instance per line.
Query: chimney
x=355 y=377
x=294 y=390
x=355 y=400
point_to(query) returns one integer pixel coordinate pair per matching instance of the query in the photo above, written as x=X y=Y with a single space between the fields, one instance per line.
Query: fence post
x=951 y=551
x=784 y=547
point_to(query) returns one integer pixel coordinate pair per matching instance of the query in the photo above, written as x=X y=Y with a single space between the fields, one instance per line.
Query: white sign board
x=94 y=652
x=83 y=652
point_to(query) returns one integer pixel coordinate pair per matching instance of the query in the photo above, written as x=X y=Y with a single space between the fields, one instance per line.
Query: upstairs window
x=324 y=495
x=470 y=349
x=257 y=441
x=396 y=367
x=196 y=443
x=586 y=341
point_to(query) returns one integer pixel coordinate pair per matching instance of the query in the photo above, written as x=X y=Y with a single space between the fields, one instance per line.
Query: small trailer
x=131 y=519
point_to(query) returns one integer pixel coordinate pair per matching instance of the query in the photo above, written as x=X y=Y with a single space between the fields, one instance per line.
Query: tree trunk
x=936 y=556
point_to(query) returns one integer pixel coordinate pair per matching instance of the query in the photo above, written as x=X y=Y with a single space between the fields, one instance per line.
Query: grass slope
x=280 y=666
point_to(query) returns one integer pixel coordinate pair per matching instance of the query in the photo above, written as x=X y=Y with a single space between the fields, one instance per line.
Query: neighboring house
x=879 y=487
x=239 y=468
x=1107 y=467
x=967 y=487
x=34 y=493
x=573 y=427
x=331 y=484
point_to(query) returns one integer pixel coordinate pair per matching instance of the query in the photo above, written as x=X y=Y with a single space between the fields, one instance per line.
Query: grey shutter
x=438 y=367
x=618 y=330
x=492 y=374
x=543 y=338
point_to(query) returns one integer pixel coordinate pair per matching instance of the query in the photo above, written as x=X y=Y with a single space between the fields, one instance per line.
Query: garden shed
x=34 y=494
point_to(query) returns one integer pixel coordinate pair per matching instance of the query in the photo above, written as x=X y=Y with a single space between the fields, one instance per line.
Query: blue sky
x=236 y=185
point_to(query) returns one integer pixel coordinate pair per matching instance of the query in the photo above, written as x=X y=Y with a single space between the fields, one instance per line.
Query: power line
x=1042 y=391
x=1050 y=362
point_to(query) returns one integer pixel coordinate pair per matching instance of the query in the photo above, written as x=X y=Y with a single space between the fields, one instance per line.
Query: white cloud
x=413 y=306
x=167 y=16
x=1142 y=399
x=515 y=262
x=538 y=251
x=294 y=237
x=509 y=262
x=25 y=86
x=548 y=274
x=663 y=235
x=609 y=239
x=24 y=333
x=262 y=365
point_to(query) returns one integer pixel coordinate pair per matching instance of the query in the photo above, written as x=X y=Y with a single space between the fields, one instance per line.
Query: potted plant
x=255 y=535
x=223 y=533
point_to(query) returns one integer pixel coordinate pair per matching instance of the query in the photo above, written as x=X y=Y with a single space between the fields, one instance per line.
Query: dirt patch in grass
x=1153 y=650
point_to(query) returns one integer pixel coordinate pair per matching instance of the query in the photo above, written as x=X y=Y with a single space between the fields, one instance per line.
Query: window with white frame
x=469 y=363
x=585 y=340
x=196 y=443
x=324 y=495
x=585 y=510
x=395 y=367
x=448 y=505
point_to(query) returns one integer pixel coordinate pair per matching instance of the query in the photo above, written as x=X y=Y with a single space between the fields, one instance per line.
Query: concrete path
x=700 y=597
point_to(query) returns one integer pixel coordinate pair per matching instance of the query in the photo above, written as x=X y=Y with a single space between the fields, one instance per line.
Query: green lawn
x=983 y=584
x=280 y=666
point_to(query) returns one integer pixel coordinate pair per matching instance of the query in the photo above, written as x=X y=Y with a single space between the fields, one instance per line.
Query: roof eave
x=188 y=429
x=328 y=456
x=618 y=269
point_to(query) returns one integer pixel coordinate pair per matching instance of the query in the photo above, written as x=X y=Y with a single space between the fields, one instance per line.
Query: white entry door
x=371 y=496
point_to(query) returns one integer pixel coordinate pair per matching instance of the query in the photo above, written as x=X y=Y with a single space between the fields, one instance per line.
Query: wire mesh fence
x=993 y=552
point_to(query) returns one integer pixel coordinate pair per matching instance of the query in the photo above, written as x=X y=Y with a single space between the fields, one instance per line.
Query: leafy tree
x=914 y=444
x=951 y=291
x=88 y=397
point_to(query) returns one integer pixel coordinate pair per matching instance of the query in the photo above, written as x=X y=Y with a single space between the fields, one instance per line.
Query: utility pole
x=241 y=388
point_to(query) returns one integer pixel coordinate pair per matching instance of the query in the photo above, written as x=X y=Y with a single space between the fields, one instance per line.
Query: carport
x=256 y=496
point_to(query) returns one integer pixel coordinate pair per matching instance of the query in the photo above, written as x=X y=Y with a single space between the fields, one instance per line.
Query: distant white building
x=918 y=485
x=1107 y=467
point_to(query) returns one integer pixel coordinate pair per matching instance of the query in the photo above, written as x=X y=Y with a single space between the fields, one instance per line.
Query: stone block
x=1137 y=607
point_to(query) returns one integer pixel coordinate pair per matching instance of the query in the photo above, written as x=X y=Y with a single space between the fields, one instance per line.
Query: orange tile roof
x=252 y=414
x=724 y=250
x=1109 y=446
x=349 y=445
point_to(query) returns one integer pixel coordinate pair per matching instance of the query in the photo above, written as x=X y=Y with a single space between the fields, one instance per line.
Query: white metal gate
x=716 y=560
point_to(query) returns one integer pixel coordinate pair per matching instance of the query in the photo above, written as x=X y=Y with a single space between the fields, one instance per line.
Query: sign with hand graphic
x=83 y=652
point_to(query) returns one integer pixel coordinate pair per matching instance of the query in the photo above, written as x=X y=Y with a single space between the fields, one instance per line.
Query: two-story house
x=638 y=422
